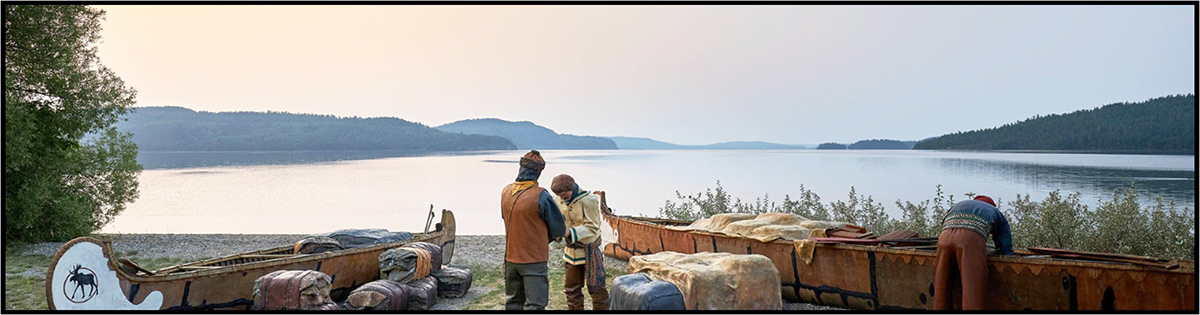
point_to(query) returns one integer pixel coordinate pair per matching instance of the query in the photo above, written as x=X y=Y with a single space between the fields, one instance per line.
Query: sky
x=801 y=74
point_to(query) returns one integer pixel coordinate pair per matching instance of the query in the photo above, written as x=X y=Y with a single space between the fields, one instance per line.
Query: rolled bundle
x=780 y=218
x=637 y=292
x=404 y=264
x=718 y=222
x=435 y=253
x=743 y=228
x=316 y=245
x=769 y=233
x=453 y=282
x=355 y=238
x=422 y=293
x=379 y=295
x=293 y=290
x=716 y=281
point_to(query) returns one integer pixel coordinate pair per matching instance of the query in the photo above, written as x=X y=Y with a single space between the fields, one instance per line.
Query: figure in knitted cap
x=962 y=252
x=532 y=220
x=583 y=261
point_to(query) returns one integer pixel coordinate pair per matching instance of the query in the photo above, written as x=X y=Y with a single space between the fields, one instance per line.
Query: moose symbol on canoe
x=85 y=282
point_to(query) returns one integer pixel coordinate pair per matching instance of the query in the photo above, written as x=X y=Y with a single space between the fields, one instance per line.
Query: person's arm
x=590 y=230
x=1002 y=235
x=548 y=210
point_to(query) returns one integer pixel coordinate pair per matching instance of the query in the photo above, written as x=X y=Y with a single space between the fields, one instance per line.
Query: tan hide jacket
x=583 y=226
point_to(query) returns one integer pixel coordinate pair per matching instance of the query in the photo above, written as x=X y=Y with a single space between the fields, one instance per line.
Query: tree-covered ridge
x=1159 y=124
x=872 y=144
x=882 y=144
x=527 y=135
x=182 y=129
x=831 y=146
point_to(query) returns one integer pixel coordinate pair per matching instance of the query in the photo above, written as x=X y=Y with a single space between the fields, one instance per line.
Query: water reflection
x=1170 y=184
x=303 y=192
x=168 y=160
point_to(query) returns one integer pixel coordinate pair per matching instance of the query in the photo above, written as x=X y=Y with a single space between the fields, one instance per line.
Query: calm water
x=305 y=193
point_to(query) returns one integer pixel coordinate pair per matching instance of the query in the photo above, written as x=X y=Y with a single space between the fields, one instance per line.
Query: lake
x=313 y=192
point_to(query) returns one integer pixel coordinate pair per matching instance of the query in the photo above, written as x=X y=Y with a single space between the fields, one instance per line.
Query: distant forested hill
x=526 y=135
x=1159 y=124
x=182 y=129
x=630 y=143
x=831 y=146
x=882 y=144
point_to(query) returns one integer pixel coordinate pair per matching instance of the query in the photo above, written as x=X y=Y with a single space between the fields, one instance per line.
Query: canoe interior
x=228 y=282
x=873 y=278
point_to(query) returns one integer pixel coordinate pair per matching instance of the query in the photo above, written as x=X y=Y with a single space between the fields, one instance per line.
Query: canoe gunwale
x=1186 y=267
x=267 y=263
x=443 y=235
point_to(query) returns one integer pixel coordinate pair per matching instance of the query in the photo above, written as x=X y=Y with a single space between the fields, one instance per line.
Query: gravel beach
x=485 y=250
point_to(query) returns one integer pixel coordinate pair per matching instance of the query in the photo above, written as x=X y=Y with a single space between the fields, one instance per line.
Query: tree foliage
x=1159 y=124
x=1120 y=225
x=831 y=146
x=56 y=184
x=181 y=129
x=882 y=144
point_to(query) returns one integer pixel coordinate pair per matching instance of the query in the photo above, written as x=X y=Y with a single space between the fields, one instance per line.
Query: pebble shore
x=482 y=249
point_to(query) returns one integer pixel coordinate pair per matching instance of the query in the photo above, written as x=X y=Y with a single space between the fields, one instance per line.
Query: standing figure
x=584 y=262
x=962 y=252
x=531 y=220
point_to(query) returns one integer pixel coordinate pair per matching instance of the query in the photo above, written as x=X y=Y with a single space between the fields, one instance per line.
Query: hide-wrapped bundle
x=422 y=293
x=293 y=290
x=453 y=282
x=767 y=233
x=637 y=292
x=411 y=261
x=355 y=238
x=435 y=253
x=716 y=222
x=745 y=227
x=316 y=245
x=773 y=225
x=379 y=295
x=716 y=281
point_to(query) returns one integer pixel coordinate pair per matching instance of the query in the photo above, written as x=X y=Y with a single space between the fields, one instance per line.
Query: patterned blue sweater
x=982 y=218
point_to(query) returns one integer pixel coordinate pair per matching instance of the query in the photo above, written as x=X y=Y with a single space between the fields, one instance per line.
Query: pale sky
x=682 y=74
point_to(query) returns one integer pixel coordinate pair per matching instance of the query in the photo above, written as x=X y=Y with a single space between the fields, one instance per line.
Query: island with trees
x=1159 y=125
x=180 y=129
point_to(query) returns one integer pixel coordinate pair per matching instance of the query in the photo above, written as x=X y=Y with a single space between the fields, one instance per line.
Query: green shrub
x=1119 y=225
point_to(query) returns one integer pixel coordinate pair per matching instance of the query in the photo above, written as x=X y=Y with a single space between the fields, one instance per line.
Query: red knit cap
x=986 y=199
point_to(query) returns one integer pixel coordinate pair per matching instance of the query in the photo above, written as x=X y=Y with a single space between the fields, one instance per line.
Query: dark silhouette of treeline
x=873 y=144
x=181 y=129
x=1164 y=124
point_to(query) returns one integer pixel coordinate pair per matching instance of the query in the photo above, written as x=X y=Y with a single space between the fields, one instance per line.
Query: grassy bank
x=492 y=276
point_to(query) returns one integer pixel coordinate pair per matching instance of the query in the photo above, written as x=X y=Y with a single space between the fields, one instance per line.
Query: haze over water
x=289 y=197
